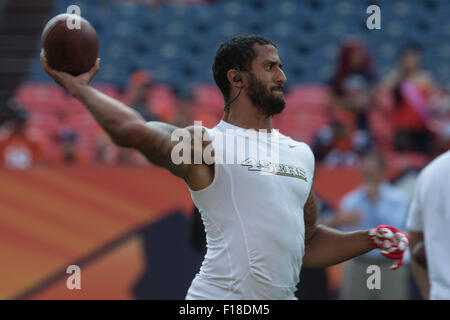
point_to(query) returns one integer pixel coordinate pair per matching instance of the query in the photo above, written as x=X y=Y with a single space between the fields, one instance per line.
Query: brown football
x=70 y=45
x=419 y=254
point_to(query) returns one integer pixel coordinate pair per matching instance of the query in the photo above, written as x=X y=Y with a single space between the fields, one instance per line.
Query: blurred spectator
x=137 y=95
x=139 y=86
x=352 y=86
x=411 y=88
x=106 y=150
x=68 y=139
x=185 y=112
x=335 y=145
x=153 y=101
x=18 y=148
x=374 y=203
x=348 y=134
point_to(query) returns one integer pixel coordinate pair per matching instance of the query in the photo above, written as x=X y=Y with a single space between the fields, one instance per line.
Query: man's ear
x=234 y=76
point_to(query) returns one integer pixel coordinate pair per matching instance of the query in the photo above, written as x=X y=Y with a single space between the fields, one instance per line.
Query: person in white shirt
x=429 y=221
x=259 y=209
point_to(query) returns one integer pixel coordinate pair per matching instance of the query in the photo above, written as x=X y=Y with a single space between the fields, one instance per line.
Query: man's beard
x=266 y=101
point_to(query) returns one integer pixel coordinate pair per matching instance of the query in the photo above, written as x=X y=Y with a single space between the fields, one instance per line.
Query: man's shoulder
x=434 y=175
x=303 y=150
x=295 y=143
x=438 y=166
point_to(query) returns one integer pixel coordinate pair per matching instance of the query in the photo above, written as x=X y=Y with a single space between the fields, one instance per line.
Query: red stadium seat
x=74 y=107
x=305 y=112
x=400 y=162
x=108 y=89
x=208 y=102
x=44 y=122
x=163 y=102
x=311 y=94
x=40 y=97
x=207 y=119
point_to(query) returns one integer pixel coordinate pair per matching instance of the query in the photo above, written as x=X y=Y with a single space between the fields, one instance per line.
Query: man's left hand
x=391 y=241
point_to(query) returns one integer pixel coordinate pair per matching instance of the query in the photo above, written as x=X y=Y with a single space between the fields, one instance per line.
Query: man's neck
x=245 y=115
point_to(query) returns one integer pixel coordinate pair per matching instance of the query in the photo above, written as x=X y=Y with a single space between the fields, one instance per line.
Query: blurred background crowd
x=349 y=89
x=374 y=100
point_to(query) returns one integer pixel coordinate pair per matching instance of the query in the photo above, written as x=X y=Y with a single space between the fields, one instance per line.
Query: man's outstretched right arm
x=128 y=129
x=124 y=125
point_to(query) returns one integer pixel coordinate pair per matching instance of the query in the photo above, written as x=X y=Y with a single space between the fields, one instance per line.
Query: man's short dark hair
x=236 y=52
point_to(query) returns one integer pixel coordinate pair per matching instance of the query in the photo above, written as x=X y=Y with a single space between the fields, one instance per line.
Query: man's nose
x=281 y=78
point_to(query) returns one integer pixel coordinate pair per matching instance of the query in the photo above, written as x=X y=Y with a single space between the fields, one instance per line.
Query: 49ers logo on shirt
x=274 y=168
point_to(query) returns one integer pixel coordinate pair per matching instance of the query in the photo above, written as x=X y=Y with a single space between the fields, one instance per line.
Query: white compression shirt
x=253 y=217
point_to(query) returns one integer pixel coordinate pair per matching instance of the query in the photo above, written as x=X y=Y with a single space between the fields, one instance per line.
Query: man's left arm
x=325 y=246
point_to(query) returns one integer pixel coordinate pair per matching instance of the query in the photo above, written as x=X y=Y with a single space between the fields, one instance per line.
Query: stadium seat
x=208 y=98
x=163 y=102
x=400 y=162
x=305 y=112
x=45 y=122
x=40 y=97
x=108 y=89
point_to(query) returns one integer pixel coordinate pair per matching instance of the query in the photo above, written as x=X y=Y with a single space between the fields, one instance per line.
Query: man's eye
x=269 y=66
